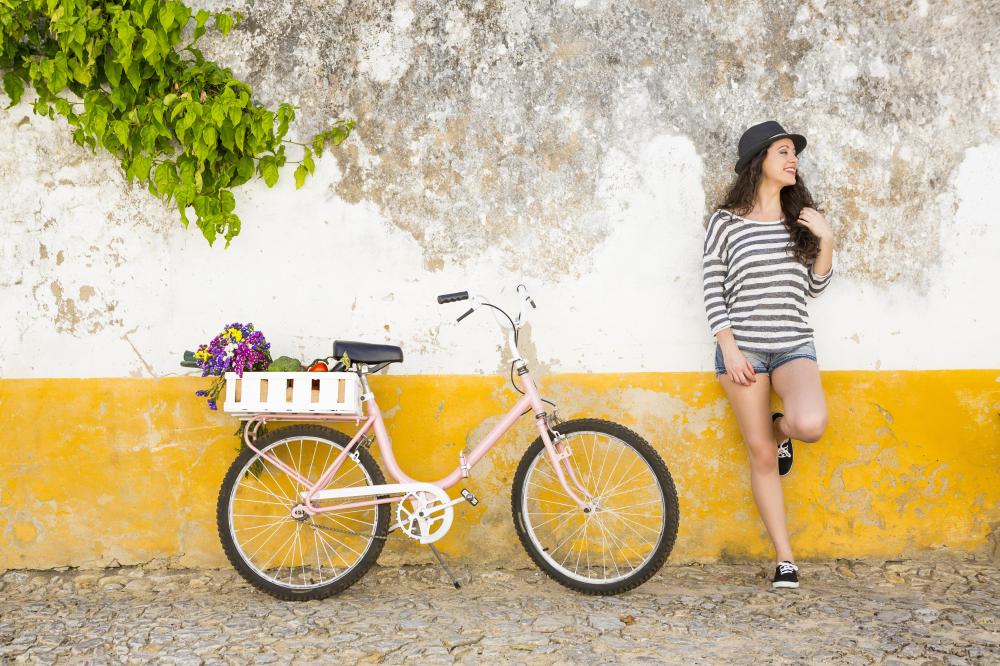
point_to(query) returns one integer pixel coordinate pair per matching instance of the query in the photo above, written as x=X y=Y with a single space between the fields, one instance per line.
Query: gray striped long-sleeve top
x=754 y=285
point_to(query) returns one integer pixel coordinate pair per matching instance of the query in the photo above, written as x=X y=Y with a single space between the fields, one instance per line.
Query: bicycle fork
x=559 y=456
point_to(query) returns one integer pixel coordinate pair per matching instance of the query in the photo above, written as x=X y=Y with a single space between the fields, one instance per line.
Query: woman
x=767 y=247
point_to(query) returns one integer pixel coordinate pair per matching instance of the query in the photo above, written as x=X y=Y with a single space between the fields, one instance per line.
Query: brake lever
x=465 y=314
x=527 y=296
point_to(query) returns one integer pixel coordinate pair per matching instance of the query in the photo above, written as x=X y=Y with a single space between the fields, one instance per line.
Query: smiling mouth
x=791 y=171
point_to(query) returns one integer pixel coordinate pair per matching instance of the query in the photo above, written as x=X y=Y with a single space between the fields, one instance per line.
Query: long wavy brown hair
x=740 y=197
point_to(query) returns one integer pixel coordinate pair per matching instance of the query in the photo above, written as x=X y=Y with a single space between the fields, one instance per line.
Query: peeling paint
x=482 y=120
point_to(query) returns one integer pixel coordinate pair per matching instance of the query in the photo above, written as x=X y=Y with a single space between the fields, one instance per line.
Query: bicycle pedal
x=469 y=497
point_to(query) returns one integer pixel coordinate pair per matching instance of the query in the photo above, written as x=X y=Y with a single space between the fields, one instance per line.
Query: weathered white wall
x=592 y=196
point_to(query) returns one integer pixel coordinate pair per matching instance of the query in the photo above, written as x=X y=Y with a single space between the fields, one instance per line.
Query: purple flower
x=223 y=354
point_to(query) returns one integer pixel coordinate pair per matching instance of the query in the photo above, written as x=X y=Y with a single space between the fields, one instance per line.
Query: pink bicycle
x=304 y=510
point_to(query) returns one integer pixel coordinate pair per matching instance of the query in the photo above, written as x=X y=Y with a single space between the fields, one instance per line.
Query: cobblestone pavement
x=912 y=612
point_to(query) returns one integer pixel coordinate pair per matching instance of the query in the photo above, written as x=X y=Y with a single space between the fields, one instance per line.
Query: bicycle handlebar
x=451 y=298
x=480 y=300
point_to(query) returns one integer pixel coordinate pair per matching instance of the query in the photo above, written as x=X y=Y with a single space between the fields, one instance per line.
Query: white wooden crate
x=312 y=392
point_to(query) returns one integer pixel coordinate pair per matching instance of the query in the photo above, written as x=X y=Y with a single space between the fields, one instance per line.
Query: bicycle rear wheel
x=299 y=559
x=631 y=530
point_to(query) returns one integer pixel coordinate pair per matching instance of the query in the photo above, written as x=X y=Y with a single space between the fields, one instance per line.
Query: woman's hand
x=737 y=366
x=813 y=220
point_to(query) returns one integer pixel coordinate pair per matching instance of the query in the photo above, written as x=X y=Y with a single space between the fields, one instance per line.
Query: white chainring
x=423 y=518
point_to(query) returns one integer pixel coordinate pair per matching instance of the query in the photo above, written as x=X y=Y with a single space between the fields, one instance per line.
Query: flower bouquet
x=239 y=348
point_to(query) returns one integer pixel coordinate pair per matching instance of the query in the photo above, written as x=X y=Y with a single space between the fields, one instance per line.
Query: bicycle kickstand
x=444 y=566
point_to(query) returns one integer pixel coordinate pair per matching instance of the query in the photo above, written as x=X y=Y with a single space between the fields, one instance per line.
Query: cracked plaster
x=485 y=124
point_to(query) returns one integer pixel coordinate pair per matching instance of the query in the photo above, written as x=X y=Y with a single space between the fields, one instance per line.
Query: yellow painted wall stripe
x=128 y=470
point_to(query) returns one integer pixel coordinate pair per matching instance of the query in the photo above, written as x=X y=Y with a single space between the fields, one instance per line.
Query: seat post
x=363 y=376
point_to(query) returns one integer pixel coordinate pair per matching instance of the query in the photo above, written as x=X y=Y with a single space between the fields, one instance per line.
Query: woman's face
x=781 y=164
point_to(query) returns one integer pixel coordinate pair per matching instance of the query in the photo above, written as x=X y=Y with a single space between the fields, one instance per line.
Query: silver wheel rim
x=307 y=554
x=621 y=536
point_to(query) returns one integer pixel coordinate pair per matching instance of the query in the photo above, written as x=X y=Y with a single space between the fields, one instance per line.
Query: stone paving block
x=687 y=614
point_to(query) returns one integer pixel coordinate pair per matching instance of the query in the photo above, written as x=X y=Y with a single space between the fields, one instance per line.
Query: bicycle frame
x=557 y=452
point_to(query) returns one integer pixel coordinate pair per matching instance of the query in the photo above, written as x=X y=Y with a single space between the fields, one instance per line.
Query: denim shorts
x=766 y=362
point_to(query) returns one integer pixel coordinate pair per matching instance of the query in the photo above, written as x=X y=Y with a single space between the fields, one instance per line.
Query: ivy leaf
x=120 y=128
x=317 y=145
x=227 y=136
x=308 y=162
x=338 y=134
x=150 y=47
x=244 y=168
x=207 y=226
x=184 y=194
x=218 y=113
x=99 y=122
x=286 y=114
x=268 y=170
x=180 y=108
x=300 y=175
x=166 y=16
x=165 y=178
x=224 y=23
x=134 y=76
x=227 y=201
x=147 y=10
x=140 y=167
x=80 y=73
x=200 y=19
x=205 y=206
x=63 y=107
x=14 y=88
x=233 y=225
x=60 y=73
x=113 y=70
x=208 y=137
x=148 y=134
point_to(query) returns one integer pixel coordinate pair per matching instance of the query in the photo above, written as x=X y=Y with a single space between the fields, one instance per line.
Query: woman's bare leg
x=798 y=385
x=751 y=405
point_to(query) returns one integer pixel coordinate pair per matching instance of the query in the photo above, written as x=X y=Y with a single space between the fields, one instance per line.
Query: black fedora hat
x=761 y=136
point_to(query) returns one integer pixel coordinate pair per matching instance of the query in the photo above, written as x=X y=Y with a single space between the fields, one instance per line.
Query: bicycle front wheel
x=308 y=558
x=627 y=536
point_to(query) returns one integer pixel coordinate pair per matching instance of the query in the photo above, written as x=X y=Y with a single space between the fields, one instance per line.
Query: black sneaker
x=786 y=575
x=784 y=450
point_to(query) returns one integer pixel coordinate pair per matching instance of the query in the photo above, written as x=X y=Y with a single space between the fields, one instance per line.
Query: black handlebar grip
x=451 y=298
x=466 y=314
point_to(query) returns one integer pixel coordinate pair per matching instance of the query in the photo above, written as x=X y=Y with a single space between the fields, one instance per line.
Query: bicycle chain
x=357 y=534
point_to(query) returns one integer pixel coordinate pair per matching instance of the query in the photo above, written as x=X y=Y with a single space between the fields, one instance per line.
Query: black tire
x=248 y=460
x=667 y=527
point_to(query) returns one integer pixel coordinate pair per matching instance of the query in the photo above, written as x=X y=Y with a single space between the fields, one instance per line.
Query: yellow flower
x=202 y=355
x=235 y=334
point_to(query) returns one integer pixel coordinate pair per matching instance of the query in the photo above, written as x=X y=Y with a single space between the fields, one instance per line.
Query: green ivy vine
x=128 y=78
